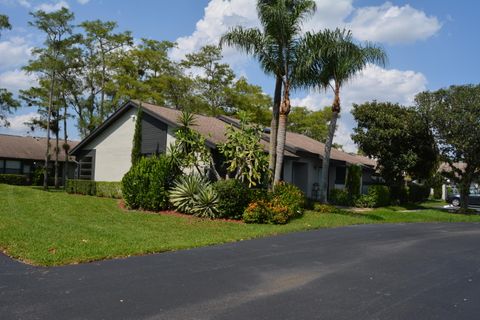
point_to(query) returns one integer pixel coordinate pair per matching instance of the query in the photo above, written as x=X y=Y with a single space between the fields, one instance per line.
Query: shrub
x=340 y=197
x=233 y=198
x=377 y=196
x=437 y=192
x=185 y=188
x=206 y=203
x=147 y=183
x=37 y=179
x=418 y=193
x=108 y=189
x=191 y=194
x=353 y=182
x=259 y=194
x=324 y=208
x=290 y=196
x=14 y=179
x=265 y=212
x=85 y=187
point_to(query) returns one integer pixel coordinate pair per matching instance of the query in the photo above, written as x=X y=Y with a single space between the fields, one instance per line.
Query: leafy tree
x=4 y=22
x=141 y=73
x=58 y=29
x=244 y=154
x=190 y=149
x=250 y=99
x=454 y=115
x=313 y=124
x=399 y=138
x=101 y=46
x=137 y=137
x=275 y=47
x=213 y=79
x=332 y=59
x=7 y=102
x=7 y=105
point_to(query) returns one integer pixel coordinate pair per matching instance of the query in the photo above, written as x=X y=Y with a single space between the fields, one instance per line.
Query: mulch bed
x=121 y=205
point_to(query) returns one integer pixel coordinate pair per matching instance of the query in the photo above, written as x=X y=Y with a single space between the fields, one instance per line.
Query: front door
x=300 y=175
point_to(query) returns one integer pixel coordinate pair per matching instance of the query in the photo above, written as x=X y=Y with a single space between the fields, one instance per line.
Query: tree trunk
x=49 y=116
x=274 y=124
x=282 y=134
x=328 y=146
x=57 y=151
x=465 y=184
x=65 y=146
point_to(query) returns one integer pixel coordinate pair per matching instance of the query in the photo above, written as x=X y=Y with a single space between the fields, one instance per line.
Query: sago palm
x=333 y=59
x=274 y=47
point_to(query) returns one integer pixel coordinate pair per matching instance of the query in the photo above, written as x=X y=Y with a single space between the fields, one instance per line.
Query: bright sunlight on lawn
x=55 y=228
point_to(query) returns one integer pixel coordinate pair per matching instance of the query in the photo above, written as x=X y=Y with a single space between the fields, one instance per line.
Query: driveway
x=404 y=271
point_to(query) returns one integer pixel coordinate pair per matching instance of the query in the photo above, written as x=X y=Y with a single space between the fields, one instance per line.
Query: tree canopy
x=454 y=117
x=398 y=137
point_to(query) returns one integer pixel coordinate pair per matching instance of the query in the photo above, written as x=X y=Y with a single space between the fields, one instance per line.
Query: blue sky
x=430 y=43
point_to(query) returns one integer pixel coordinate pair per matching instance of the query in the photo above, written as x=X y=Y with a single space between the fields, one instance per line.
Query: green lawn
x=55 y=228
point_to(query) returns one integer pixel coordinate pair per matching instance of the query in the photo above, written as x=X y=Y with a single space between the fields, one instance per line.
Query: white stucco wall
x=113 y=148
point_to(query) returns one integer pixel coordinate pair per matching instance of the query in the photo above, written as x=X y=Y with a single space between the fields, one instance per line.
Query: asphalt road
x=407 y=271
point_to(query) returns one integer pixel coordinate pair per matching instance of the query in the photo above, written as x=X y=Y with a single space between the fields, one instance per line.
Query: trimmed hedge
x=14 y=179
x=94 y=188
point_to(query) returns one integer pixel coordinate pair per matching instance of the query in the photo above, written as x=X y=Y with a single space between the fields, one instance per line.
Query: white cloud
x=392 y=24
x=23 y=3
x=17 y=123
x=386 y=23
x=14 y=52
x=373 y=83
x=52 y=6
x=14 y=80
x=219 y=17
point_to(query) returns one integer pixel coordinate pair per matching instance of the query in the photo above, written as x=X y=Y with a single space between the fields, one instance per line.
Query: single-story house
x=22 y=155
x=105 y=154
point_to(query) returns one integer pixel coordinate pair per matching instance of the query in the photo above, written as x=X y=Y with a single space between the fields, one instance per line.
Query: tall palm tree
x=334 y=60
x=274 y=47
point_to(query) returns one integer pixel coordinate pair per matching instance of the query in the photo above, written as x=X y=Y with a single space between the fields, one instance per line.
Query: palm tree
x=335 y=60
x=274 y=47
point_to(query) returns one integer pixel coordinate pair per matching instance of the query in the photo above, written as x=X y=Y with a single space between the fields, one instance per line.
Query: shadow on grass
x=359 y=215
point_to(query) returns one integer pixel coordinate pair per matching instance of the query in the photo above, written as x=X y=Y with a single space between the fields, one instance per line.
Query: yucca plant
x=206 y=203
x=184 y=191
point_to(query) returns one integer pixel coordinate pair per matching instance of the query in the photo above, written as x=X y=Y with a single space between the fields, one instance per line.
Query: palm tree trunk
x=328 y=146
x=49 y=116
x=274 y=124
x=282 y=133
x=326 y=158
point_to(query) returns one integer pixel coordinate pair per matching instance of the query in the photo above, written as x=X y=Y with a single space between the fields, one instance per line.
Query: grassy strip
x=55 y=228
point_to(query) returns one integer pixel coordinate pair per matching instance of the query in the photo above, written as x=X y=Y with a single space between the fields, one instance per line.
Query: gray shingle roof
x=214 y=130
x=33 y=148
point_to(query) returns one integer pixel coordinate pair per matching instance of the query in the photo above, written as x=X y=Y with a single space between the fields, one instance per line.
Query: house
x=22 y=155
x=105 y=155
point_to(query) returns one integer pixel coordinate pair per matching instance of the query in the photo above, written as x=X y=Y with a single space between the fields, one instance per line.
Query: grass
x=55 y=228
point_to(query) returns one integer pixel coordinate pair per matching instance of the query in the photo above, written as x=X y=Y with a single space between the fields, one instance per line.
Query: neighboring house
x=21 y=155
x=105 y=155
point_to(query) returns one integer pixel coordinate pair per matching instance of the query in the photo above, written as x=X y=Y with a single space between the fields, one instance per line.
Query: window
x=340 y=174
x=2 y=166
x=13 y=166
x=86 y=168
x=26 y=168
